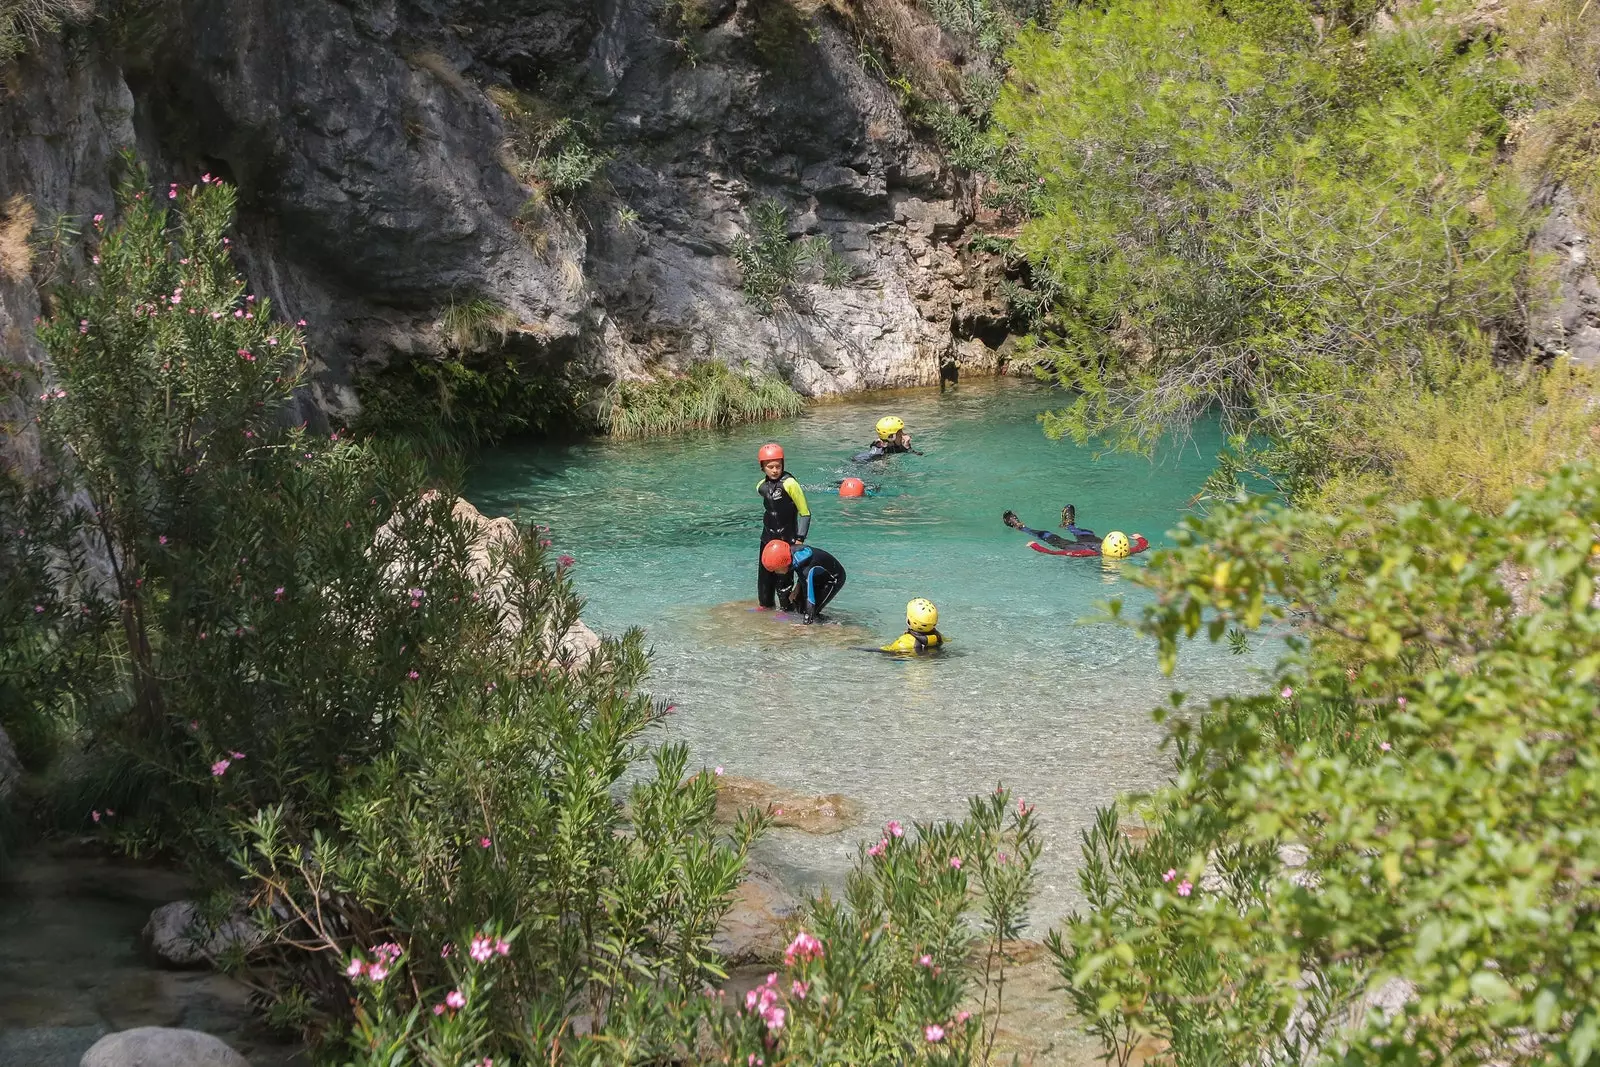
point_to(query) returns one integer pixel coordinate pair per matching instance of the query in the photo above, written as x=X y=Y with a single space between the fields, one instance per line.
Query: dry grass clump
x=27 y=22
x=906 y=41
x=16 y=230
x=1557 y=43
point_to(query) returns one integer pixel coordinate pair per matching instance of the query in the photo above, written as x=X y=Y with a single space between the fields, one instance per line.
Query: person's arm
x=809 y=612
x=803 y=524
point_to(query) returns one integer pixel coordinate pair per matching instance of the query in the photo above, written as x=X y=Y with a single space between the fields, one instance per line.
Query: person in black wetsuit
x=1069 y=517
x=892 y=438
x=786 y=517
x=815 y=578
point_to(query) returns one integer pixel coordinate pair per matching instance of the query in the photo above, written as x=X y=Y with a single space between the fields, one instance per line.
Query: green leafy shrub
x=772 y=266
x=908 y=968
x=26 y=22
x=543 y=147
x=708 y=396
x=1241 y=217
x=1407 y=808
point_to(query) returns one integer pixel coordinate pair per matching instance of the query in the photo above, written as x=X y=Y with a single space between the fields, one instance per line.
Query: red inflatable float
x=1136 y=542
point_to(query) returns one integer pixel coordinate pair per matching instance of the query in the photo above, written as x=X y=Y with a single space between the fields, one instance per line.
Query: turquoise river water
x=665 y=536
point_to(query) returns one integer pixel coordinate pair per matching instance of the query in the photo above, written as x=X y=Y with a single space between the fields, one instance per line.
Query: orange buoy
x=852 y=487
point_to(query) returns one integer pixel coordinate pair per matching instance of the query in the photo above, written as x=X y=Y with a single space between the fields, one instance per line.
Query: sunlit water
x=665 y=534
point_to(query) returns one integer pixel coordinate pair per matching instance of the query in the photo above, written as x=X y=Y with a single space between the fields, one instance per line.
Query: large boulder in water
x=179 y=935
x=160 y=1046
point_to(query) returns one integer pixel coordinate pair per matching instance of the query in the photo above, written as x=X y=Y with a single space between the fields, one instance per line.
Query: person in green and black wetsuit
x=787 y=518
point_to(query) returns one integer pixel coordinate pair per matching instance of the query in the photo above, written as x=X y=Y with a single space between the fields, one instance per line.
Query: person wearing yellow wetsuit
x=787 y=518
x=922 y=630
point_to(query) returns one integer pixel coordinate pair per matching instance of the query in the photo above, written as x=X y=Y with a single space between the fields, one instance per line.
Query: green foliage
x=543 y=147
x=1559 y=50
x=773 y=267
x=27 y=22
x=890 y=975
x=1412 y=805
x=1238 y=216
x=472 y=325
x=708 y=396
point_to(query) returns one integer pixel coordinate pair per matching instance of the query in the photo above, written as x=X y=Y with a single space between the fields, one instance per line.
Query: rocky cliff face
x=375 y=189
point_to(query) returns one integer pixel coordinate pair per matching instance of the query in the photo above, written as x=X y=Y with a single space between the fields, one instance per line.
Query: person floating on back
x=813 y=576
x=1069 y=522
x=787 y=519
x=922 y=630
x=892 y=438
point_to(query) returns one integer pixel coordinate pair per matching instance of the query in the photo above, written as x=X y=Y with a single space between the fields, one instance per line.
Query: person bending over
x=786 y=518
x=892 y=438
x=1078 y=535
x=815 y=577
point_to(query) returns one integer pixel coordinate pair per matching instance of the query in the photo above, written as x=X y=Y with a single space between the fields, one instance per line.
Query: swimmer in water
x=922 y=630
x=808 y=577
x=892 y=438
x=1069 y=522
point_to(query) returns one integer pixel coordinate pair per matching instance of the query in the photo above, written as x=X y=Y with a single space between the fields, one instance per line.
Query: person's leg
x=766 y=583
x=827 y=588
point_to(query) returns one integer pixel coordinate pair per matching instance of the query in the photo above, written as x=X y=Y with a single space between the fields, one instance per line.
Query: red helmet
x=777 y=555
x=769 y=451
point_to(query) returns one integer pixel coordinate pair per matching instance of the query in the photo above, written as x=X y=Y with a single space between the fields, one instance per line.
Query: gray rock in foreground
x=159 y=1046
x=179 y=935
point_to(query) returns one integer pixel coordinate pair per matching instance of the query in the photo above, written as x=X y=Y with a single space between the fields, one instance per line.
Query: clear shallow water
x=665 y=534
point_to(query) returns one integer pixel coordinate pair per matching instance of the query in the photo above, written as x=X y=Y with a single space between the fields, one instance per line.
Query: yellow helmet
x=1116 y=546
x=888 y=426
x=921 y=616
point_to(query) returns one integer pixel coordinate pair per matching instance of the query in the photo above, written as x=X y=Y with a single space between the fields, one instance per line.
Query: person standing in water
x=786 y=519
x=892 y=438
x=1069 y=517
x=814 y=577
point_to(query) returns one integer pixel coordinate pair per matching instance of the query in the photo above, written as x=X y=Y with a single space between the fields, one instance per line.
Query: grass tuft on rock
x=708 y=396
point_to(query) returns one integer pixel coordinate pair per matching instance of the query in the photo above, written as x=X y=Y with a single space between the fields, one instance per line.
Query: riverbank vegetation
x=707 y=396
x=1309 y=223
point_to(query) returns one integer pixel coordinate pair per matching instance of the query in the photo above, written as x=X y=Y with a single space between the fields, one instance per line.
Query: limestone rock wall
x=375 y=192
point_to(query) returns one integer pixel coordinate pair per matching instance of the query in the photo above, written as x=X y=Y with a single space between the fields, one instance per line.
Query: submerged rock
x=160 y=1046
x=822 y=813
x=755 y=928
x=179 y=935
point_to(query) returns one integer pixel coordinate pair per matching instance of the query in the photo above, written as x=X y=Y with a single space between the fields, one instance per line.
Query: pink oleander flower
x=933 y=1032
x=162 y=539
x=484 y=842
x=172 y=194
x=1385 y=746
x=219 y=768
x=388 y=951
x=277 y=594
x=238 y=313
x=955 y=861
x=438 y=1009
x=877 y=850
x=205 y=179
x=773 y=1017
x=355 y=969
x=38 y=609
x=894 y=828
x=447 y=951
x=1185 y=887
x=377 y=972
x=926 y=960
x=963 y=1016
x=99 y=219
x=95 y=260
x=1287 y=692
x=799 y=988
x=803 y=947
x=236 y=755
x=717 y=772
x=302 y=322
x=1400 y=701
x=95 y=815
x=1172 y=872
x=565 y=561
x=413 y=675
x=481 y=949
x=502 y=947
x=455 y=999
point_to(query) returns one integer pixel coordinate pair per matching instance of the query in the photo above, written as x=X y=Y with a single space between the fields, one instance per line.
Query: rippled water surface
x=665 y=535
